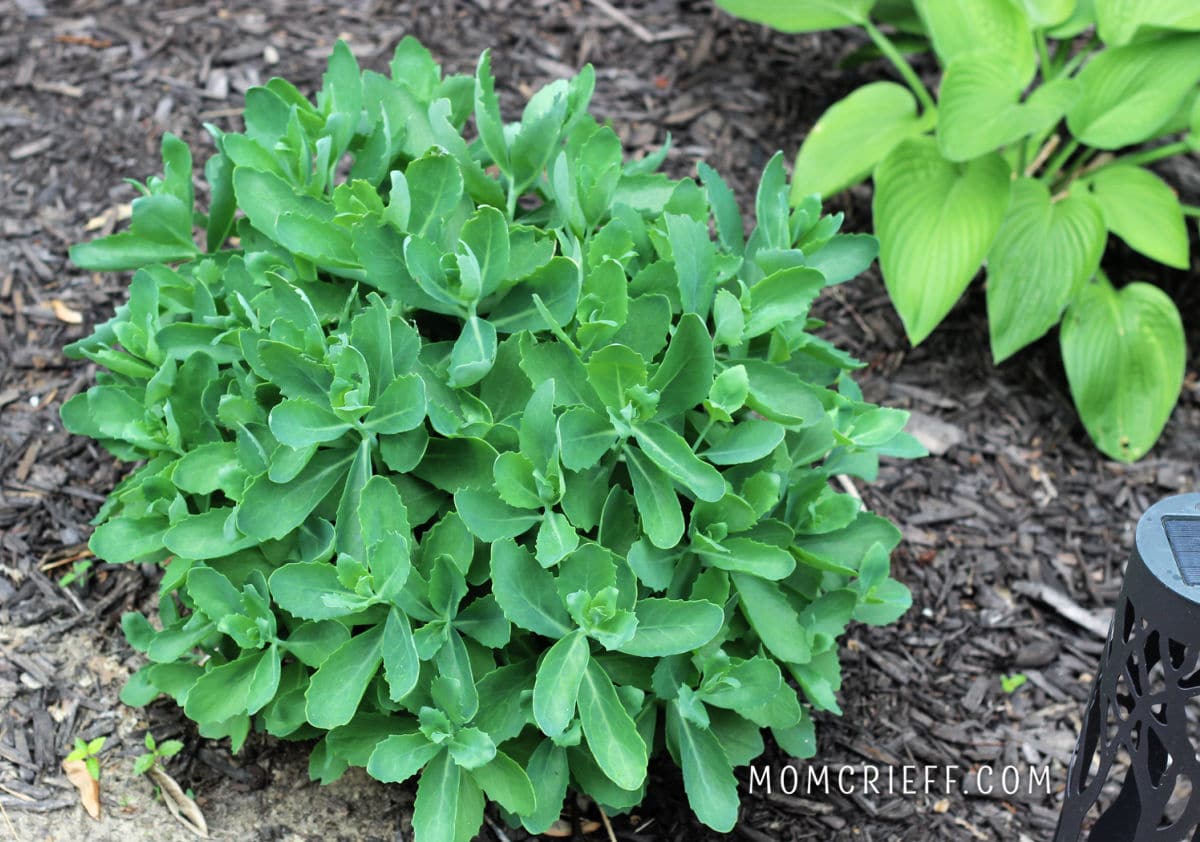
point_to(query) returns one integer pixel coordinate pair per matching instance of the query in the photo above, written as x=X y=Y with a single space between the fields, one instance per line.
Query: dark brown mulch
x=1017 y=504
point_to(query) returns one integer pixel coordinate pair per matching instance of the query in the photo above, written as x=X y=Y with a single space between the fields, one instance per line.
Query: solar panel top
x=1183 y=534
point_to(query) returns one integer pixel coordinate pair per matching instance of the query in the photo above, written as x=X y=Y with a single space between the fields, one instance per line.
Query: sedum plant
x=1048 y=112
x=478 y=457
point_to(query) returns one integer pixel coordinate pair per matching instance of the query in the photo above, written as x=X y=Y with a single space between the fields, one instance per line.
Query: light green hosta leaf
x=1044 y=253
x=708 y=779
x=999 y=25
x=979 y=107
x=1141 y=209
x=936 y=221
x=1129 y=92
x=1125 y=354
x=800 y=15
x=1120 y=21
x=612 y=736
x=878 y=115
x=1048 y=13
x=556 y=688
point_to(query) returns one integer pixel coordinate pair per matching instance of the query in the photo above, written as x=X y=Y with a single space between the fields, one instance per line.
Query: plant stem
x=1191 y=210
x=1043 y=49
x=1057 y=162
x=1079 y=58
x=1148 y=156
x=892 y=53
x=703 y=432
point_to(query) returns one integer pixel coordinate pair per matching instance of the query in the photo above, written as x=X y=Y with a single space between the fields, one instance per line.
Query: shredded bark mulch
x=1016 y=529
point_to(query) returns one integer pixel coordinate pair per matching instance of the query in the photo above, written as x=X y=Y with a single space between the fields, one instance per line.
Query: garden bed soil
x=1015 y=506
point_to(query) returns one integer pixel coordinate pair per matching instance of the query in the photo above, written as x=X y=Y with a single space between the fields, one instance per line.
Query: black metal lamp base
x=1140 y=701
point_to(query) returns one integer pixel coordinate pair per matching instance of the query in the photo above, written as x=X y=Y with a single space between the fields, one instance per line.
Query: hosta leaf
x=1047 y=13
x=1141 y=209
x=936 y=221
x=1129 y=92
x=880 y=113
x=979 y=109
x=1120 y=21
x=1125 y=354
x=1000 y=25
x=612 y=736
x=800 y=15
x=1045 y=251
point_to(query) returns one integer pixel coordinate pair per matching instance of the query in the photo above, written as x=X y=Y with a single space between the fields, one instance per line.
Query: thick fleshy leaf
x=1125 y=355
x=661 y=514
x=800 y=15
x=671 y=453
x=1141 y=209
x=612 y=736
x=506 y=783
x=708 y=779
x=557 y=686
x=527 y=594
x=272 y=510
x=936 y=221
x=672 y=626
x=400 y=756
x=449 y=805
x=1045 y=251
x=338 y=686
x=879 y=114
x=1129 y=92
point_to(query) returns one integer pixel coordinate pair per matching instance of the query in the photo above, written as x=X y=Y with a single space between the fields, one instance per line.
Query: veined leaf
x=800 y=15
x=1141 y=209
x=936 y=221
x=1125 y=355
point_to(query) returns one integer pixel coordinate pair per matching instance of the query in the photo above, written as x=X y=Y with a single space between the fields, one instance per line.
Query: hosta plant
x=1048 y=112
x=477 y=457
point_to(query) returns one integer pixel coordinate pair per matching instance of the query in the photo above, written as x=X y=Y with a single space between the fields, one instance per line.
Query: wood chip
x=1095 y=622
x=64 y=313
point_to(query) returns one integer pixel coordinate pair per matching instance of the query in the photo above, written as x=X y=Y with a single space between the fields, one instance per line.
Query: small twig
x=8 y=822
x=848 y=486
x=1043 y=155
x=640 y=32
x=500 y=834
x=612 y=837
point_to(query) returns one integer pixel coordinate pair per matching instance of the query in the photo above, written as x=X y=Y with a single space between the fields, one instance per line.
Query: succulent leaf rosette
x=470 y=451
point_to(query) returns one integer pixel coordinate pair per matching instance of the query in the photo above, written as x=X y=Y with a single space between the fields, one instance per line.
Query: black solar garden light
x=1141 y=728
